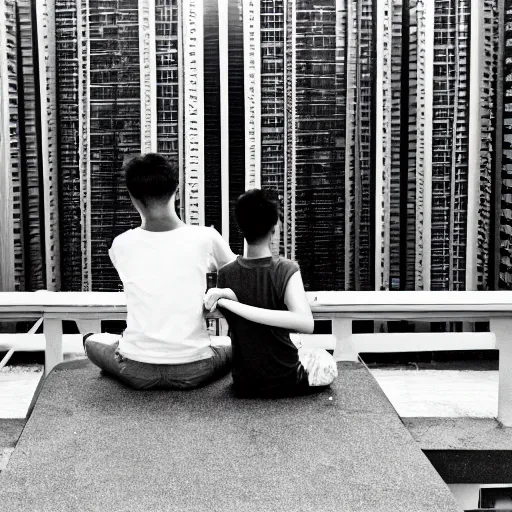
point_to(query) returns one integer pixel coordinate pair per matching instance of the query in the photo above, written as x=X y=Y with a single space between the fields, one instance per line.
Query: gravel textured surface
x=22 y=368
x=92 y=444
x=10 y=430
x=460 y=434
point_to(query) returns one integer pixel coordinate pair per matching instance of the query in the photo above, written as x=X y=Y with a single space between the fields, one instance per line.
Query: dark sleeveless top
x=265 y=360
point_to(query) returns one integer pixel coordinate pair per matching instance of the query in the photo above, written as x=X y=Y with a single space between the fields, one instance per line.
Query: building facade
x=381 y=127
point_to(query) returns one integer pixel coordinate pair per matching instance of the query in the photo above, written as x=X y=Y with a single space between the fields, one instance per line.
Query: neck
x=258 y=250
x=161 y=218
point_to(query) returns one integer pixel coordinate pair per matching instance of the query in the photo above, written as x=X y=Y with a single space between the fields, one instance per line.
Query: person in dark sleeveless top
x=263 y=299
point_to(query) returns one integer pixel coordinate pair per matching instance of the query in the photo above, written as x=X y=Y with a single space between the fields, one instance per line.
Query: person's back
x=164 y=279
x=264 y=357
x=263 y=299
x=163 y=266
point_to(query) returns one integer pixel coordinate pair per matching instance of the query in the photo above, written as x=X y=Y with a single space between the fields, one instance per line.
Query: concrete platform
x=434 y=393
x=16 y=392
x=92 y=444
x=10 y=430
x=465 y=450
x=459 y=433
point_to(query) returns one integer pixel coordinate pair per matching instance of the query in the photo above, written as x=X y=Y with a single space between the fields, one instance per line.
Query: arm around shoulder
x=298 y=317
x=213 y=295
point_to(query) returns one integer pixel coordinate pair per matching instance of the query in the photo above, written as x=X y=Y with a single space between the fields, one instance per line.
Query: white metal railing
x=88 y=309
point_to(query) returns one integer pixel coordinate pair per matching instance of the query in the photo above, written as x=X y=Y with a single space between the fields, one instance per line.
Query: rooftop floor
x=93 y=444
x=456 y=389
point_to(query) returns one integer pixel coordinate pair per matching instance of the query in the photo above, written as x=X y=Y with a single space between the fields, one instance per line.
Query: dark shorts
x=159 y=376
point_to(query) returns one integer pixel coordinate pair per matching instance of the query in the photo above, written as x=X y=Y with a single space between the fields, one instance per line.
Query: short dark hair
x=151 y=176
x=256 y=214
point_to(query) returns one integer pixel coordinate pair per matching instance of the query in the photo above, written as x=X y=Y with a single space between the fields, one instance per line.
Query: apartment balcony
x=394 y=431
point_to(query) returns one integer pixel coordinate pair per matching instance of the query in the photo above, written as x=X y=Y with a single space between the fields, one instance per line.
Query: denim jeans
x=159 y=376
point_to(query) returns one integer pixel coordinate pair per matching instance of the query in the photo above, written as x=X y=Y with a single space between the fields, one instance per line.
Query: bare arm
x=222 y=253
x=213 y=295
x=298 y=317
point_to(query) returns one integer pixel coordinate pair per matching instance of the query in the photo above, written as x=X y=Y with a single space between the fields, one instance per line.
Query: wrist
x=228 y=294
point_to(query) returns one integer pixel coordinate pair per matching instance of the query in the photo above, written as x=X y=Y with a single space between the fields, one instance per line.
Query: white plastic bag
x=319 y=365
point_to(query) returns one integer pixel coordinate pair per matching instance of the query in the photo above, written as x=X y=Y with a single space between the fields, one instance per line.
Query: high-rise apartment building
x=31 y=142
x=236 y=121
x=12 y=273
x=315 y=135
x=44 y=19
x=330 y=105
x=394 y=97
x=358 y=143
x=167 y=56
x=380 y=127
x=450 y=131
x=212 y=112
x=29 y=224
x=70 y=122
x=488 y=95
x=273 y=106
x=417 y=142
x=115 y=127
x=436 y=230
x=505 y=259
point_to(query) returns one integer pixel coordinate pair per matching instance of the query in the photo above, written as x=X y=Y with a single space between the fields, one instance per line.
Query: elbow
x=307 y=326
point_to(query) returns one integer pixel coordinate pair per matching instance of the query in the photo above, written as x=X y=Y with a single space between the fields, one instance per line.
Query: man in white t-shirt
x=163 y=266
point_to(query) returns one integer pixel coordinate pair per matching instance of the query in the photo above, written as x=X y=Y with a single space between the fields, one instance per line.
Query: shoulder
x=214 y=235
x=125 y=238
x=282 y=270
x=197 y=234
x=229 y=267
x=202 y=232
x=195 y=231
x=285 y=265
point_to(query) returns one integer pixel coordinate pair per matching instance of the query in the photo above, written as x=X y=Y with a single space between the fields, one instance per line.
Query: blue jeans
x=159 y=376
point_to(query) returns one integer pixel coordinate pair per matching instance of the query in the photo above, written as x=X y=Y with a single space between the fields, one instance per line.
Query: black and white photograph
x=255 y=255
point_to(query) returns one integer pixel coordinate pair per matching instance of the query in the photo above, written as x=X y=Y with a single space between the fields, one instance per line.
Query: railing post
x=342 y=331
x=53 y=351
x=502 y=329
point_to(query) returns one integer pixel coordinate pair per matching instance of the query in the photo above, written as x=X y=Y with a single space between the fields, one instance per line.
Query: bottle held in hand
x=211 y=323
x=211 y=280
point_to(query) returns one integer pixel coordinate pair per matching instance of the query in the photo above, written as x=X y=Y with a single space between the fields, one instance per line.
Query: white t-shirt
x=164 y=279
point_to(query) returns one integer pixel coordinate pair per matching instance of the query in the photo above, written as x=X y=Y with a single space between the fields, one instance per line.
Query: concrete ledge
x=10 y=431
x=93 y=444
x=465 y=450
x=459 y=433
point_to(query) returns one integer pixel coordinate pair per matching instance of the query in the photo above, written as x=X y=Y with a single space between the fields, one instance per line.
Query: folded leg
x=102 y=350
